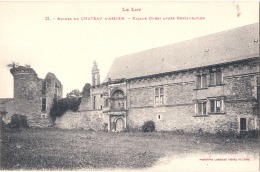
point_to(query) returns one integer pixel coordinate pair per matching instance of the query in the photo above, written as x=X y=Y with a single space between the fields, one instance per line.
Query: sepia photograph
x=129 y=86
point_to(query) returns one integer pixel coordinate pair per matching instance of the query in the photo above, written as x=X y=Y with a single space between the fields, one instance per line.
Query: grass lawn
x=58 y=149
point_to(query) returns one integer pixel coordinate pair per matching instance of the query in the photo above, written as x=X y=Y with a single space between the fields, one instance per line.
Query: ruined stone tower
x=95 y=74
x=33 y=96
x=25 y=82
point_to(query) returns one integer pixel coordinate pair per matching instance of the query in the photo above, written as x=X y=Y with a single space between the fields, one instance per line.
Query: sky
x=68 y=48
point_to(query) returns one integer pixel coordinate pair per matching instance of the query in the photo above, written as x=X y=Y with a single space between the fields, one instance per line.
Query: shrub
x=199 y=132
x=178 y=131
x=148 y=126
x=18 y=121
x=59 y=107
x=2 y=128
x=252 y=134
x=222 y=133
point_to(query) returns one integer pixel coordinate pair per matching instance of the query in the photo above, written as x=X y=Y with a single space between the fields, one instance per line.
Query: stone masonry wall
x=27 y=98
x=99 y=101
x=180 y=93
x=81 y=120
x=141 y=97
x=238 y=88
x=171 y=118
x=28 y=94
x=182 y=118
x=25 y=85
x=85 y=104
x=178 y=112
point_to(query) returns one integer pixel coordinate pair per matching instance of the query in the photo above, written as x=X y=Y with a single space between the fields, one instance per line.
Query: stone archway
x=119 y=124
x=117 y=101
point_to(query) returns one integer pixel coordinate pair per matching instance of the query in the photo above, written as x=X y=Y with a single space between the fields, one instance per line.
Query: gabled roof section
x=227 y=46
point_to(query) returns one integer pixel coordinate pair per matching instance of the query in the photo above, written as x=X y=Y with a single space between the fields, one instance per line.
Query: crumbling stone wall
x=28 y=94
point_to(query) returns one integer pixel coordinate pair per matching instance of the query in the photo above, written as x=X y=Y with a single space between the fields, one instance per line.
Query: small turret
x=95 y=74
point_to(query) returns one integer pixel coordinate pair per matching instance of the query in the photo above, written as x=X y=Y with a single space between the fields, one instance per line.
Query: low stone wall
x=88 y=120
x=173 y=118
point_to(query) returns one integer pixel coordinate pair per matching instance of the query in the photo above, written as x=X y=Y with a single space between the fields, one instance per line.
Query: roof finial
x=95 y=63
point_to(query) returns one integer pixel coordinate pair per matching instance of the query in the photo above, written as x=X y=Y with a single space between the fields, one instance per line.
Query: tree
x=27 y=65
x=74 y=94
x=13 y=65
x=59 y=107
x=86 y=90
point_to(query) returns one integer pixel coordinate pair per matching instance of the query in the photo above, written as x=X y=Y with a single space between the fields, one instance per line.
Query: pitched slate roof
x=227 y=46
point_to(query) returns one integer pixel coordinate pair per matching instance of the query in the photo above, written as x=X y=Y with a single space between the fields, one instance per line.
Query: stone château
x=210 y=83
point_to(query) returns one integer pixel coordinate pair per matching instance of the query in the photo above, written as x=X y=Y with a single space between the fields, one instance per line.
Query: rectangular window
x=201 y=81
x=243 y=124
x=216 y=106
x=211 y=78
x=202 y=108
x=212 y=105
x=215 y=77
x=204 y=81
x=159 y=94
x=94 y=102
x=198 y=81
x=44 y=88
x=156 y=91
x=43 y=104
x=218 y=77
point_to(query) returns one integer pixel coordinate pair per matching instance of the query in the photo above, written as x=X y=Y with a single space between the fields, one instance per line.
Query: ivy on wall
x=59 y=107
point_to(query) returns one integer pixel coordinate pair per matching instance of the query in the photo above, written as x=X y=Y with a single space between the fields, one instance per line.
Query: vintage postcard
x=142 y=86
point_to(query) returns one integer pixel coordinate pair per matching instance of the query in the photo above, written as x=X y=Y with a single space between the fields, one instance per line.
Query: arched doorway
x=119 y=124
